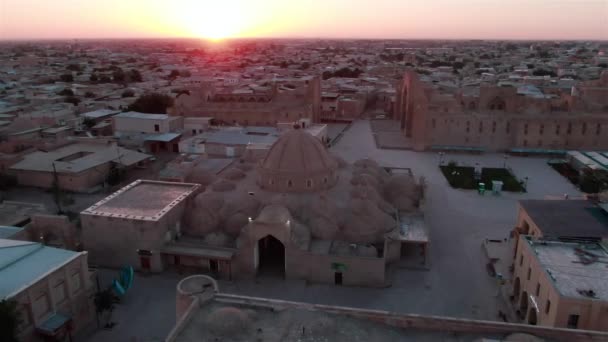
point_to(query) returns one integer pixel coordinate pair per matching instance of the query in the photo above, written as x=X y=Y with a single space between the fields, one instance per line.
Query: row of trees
x=343 y=72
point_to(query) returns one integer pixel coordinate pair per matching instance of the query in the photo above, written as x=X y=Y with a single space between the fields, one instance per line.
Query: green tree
x=72 y=99
x=105 y=301
x=66 y=78
x=173 y=74
x=128 y=93
x=66 y=92
x=74 y=67
x=89 y=122
x=9 y=321
x=153 y=103
x=119 y=76
x=135 y=75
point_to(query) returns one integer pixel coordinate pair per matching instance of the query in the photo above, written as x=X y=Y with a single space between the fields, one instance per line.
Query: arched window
x=497 y=104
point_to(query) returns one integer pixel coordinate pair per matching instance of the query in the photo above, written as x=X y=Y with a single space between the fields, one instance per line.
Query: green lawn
x=462 y=177
x=510 y=183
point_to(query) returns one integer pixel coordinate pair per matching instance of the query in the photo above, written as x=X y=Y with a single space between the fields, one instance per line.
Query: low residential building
x=52 y=288
x=157 y=132
x=131 y=226
x=562 y=220
x=561 y=284
x=76 y=167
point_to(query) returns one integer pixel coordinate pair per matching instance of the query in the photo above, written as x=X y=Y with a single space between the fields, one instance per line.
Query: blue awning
x=536 y=151
x=53 y=324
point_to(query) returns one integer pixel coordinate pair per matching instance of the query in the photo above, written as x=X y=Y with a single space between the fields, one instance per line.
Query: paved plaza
x=457 y=283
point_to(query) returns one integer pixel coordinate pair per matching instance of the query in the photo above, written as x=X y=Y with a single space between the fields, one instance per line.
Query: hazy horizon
x=313 y=19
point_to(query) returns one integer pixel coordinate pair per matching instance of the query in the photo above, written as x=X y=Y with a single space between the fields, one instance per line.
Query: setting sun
x=212 y=20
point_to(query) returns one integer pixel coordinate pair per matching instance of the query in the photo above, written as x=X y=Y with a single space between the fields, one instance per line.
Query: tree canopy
x=9 y=321
x=153 y=103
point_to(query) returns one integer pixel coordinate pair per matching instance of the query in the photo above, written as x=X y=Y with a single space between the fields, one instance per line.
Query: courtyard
x=457 y=283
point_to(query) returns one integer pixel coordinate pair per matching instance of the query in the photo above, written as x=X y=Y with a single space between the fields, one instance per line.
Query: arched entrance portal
x=271 y=256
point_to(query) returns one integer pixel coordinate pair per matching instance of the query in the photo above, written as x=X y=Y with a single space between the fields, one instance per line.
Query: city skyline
x=438 y=19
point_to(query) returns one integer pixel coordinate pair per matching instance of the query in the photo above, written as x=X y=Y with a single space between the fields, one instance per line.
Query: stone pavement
x=457 y=283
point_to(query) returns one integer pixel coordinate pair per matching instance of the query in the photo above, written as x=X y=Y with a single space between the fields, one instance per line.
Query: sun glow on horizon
x=213 y=20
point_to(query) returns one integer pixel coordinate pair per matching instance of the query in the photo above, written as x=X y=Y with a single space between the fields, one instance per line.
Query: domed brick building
x=299 y=212
x=297 y=162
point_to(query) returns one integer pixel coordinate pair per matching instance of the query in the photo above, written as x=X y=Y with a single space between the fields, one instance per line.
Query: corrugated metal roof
x=22 y=263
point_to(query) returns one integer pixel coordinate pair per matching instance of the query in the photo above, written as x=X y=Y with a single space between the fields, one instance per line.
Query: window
x=480 y=126
x=271 y=182
x=493 y=126
x=584 y=128
x=41 y=305
x=309 y=183
x=541 y=130
x=468 y=126
x=59 y=292
x=508 y=127
x=76 y=281
x=539 y=143
x=557 y=130
x=433 y=123
x=569 y=130
x=156 y=128
x=521 y=260
x=529 y=272
x=598 y=129
x=548 y=307
x=573 y=321
x=325 y=180
x=525 y=143
x=526 y=129
x=193 y=132
x=289 y=183
x=537 y=289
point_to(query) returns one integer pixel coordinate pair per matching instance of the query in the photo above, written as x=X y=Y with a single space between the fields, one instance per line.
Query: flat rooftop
x=145 y=116
x=224 y=322
x=78 y=157
x=19 y=214
x=567 y=218
x=570 y=276
x=143 y=200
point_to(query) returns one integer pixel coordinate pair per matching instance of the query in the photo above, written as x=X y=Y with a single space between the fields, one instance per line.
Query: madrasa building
x=299 y=212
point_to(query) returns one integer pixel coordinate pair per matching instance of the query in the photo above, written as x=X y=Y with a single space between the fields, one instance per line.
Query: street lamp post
x=441 y=158
x=526 y=184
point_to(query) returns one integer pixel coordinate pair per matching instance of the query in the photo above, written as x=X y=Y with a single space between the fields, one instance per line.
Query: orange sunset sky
x=451 y=19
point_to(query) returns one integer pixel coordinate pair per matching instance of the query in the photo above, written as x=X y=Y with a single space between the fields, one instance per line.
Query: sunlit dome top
x=297 y=161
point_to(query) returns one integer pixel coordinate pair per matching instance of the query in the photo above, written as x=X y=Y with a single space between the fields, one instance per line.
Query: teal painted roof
x=23 y=262
x=8 y=231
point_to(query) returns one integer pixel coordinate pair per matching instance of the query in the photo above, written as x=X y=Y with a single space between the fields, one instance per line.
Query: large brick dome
x=296 y=162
